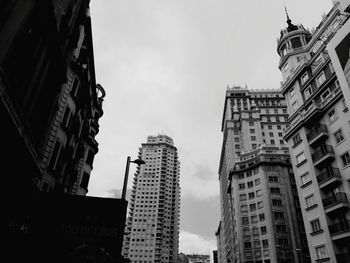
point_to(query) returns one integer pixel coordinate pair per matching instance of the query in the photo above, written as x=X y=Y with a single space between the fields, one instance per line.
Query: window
x=286 y=67
x=247 y=245
x=269 y=127
x=310 y=201
x=257 y=181
x=242 y=197
x=320 y=79
x=281 y=228
x=296 y=139
x=292 y=92
x=245 y=220
x=346 y=159
x=262 y=217
x=321 y=252
x=273 y=179
x=54 y=155
x=265 y=243
x=278 y=215
x=271 y=134
x=241 y=186
x=280 y=134
x=258 y=193
x=339 y=136
x=301 y=158
x=251 y=123
x=295 y=105
x=308 y=92
x=345 y=107
x=252 y=131
x=315 y=226
x=325 y=95
x=251 y=195
x=254 y=219
x=244 y=208
x=254 y=146
x=237 y=146
x=85 y=180
x=252 y=207
x=304 y=77
x=305 y=178
x=260 y=204
x=275 y=190
x=253 y=138
x=276 y=202
x=317 y=62
x=332 y=115
x=263 y=230
x=236 y=139
x=272 y=141
x=255 y=232
x=250 y=184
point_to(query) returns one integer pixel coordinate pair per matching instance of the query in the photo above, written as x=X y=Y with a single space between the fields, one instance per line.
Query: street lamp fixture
x=138 y=162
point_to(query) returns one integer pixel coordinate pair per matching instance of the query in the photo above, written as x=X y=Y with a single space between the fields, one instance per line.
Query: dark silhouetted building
x=50 y=102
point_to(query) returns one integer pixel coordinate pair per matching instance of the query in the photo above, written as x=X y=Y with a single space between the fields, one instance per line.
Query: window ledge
x=316 y=232
x=323 y=259
x=311 y=207
x=306 y=184
x=296 y=144
x=300 y=164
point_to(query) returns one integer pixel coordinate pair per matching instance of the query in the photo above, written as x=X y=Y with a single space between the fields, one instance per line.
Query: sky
x=165 y=66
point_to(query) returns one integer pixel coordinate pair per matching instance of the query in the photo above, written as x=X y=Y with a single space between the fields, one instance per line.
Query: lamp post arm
x=126 y=177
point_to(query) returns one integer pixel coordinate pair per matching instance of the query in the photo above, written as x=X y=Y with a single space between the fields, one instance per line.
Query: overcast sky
x=165 y=66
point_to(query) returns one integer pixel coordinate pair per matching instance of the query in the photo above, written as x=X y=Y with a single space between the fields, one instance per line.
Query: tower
x=152 y=230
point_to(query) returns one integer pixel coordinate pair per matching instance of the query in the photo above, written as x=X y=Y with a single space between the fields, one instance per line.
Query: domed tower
x=291 y=46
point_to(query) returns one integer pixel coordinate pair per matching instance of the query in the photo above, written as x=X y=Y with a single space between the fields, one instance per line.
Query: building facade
x=220 y=244
x=152 y=230
x=50 y=102
x=265 y=215
x=319 y=132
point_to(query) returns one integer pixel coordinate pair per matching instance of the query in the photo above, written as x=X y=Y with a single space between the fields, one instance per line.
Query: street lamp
x=138 y=162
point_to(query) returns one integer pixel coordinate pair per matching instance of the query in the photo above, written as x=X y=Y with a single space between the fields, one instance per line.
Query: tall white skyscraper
x=152 y=229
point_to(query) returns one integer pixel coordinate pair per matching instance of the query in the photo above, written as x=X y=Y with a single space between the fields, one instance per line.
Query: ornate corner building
x=50 y=103
x=319 y=131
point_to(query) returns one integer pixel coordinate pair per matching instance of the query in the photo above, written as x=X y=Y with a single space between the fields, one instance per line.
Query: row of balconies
x=313 y=112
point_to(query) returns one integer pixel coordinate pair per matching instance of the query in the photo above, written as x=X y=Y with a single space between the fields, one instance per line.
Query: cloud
x=195 y=244
x=199 y=182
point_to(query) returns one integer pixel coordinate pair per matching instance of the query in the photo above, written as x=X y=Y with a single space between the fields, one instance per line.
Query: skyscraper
x=319 y=131
x=262 y=206
x=152 y=230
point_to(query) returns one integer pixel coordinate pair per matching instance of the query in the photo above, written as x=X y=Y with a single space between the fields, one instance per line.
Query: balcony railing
x=324 y=149
x=339 y=227
x=330 y=173
x=316 y=131
x=334 y=199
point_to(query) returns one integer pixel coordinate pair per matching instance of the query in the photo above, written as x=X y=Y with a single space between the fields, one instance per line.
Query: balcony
x=335 y=203
x=340 y=231
x=323 y=155
x=329 y=179
x=317 y=134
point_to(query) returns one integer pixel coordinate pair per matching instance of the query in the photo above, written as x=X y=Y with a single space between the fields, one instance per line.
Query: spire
x=285 y=9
